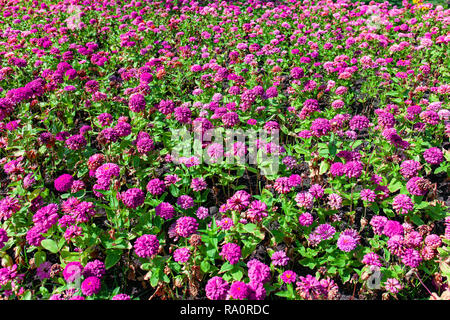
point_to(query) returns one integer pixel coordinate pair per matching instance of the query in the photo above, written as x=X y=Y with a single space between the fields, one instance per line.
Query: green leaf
x=205 y=266
x=50 y=245
x=39 y=257
x=417 y=220
x=226 y=267
x=112 y=257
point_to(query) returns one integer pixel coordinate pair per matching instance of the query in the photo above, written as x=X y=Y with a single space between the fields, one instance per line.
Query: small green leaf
x=112 y=257
x=50 y=245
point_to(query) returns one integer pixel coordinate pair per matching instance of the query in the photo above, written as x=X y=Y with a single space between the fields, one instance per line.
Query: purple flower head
x=63 y=182
x=165 y=210
x=217 y=288
x=133 y=198
x=94 y=268
x=433 y=156
x=258 y=271
x=238 y=291
x=185 y=202
x=146 y=246
x=91 y=286
x=181 y=255
x=279 y=258
x=73 y=271
x=288 y=276
x=231 y=252
x=186 y=226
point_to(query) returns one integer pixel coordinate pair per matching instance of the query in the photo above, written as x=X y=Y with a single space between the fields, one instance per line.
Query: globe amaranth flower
x=46 y=216
x=256 y=211
x=368 y=195
x=417 y=186
x=433 y=241
x=183 y=114
x=91 y=286
x=137 y=102
x=146 y=246
x=64 y=182
x=409 y=168
x=279 y=258
x=258 y=271
x=156 y=187
x=43 y=271
x=133 y=198
x=325 y=231
x=305 y=219
x=371 y=259
x=186 y=226
x=185 y=202
x=317 y=191
x=238 y=291
x=73 y=271
x=288 y=276
x=411 y=258
x=433 y=156
x=413 y=239
x=346 y=243
x=202 y=213
x=353 y=169
x=198 y=184
x=320 y=127
x=392 y=285
x=337 y=169
x=217 y=288
x=8 y=206
x=76 y=142
x=3 y=237
x=392 y=228
x=231 y=252
x=402 y=204
x=145 y=145
x=165 y=210
x=304 y=200
x=396 y=244
x=239 y=201
x=359 y=122
x=94 y=268
x=334 y=201
x=181 y=255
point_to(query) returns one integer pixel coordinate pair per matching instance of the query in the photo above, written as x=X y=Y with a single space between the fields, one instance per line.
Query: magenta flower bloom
x=433 y=156
x=402 y=204
x=231 y=252
x=186 y=226
x=279 y=258
x=76 y=142
x=137 y=103
x=258 y=271
x=64 y=182
x=181 y=255
x=238 y=291
x=165 y=210
x=288 y=276
x=146 y=246
x=3 y=237
x=217 y=288
x=133 y=198
x=305 y=219
x=353 y=169
x=156 y=187
x=392 y=228
x=411 y=258
x=94 y=268
x=392 y=285
x=346 y=243
x=371 y=259
x=91 y=286
x=185 y=202
x=73 y=271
